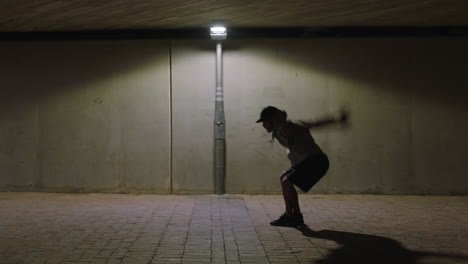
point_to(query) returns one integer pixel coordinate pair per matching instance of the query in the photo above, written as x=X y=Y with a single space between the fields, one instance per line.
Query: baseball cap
x=269 y=112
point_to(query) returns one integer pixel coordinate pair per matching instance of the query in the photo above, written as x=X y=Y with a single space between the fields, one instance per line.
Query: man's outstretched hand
x=344 y=116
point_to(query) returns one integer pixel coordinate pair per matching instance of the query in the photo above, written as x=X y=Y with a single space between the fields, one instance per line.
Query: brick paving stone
x=114 y=261
x=341 y=224
x=55 y=228
x=136 y=261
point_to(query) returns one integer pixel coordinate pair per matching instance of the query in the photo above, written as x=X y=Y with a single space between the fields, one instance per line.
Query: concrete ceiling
x=88 y=15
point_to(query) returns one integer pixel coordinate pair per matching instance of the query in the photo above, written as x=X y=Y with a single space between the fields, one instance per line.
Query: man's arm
x=341 y=119
x=291 y=130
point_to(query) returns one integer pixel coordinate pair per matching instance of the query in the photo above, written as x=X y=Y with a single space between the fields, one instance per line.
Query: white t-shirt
x=299 y=147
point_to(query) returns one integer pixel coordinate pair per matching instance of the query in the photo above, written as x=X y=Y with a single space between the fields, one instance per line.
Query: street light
x=219 y=34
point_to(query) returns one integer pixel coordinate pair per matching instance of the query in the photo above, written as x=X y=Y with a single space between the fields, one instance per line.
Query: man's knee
x=284 y=176
x=284 y=180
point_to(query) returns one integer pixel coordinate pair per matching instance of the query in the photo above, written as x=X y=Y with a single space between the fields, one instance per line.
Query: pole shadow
x=367 y=249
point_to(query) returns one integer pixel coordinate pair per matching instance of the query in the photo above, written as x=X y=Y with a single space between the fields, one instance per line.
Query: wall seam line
x=170 y=119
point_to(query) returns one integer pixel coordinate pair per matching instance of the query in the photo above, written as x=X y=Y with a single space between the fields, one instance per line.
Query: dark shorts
x=306 y=174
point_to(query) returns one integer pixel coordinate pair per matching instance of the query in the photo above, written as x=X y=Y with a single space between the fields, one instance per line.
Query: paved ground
x=133 y=229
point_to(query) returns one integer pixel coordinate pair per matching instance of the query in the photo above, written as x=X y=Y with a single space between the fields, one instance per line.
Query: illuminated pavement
x=134 y=229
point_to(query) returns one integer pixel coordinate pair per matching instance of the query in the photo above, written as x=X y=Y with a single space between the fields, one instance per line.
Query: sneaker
x=298 y=219
x=283 y=220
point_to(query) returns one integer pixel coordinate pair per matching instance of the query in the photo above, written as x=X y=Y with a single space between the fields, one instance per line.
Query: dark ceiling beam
x=241 y=33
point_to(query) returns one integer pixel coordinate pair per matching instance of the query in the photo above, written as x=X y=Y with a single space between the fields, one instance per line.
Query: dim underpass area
x=136 y=229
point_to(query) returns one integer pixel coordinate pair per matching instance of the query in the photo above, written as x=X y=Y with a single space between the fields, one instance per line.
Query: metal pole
x=219 y=130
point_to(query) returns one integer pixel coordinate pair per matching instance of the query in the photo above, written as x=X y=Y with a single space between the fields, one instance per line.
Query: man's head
x=271 y=115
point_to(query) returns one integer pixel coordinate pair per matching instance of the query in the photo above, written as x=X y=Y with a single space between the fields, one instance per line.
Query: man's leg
x=286 y=193
x=292 y=216
x=284 y=220
x=292 y=199
x=290 y=196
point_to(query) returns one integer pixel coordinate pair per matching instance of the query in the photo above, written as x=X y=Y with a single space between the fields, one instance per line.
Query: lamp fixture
x=218 y=33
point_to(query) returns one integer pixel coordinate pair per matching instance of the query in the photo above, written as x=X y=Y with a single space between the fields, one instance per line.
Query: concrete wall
x=85 y=116
x=193 y=85
x=137 y=116
x=407 y=98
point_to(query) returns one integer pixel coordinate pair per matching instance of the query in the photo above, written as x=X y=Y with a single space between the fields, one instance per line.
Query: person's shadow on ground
x=366 y=249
